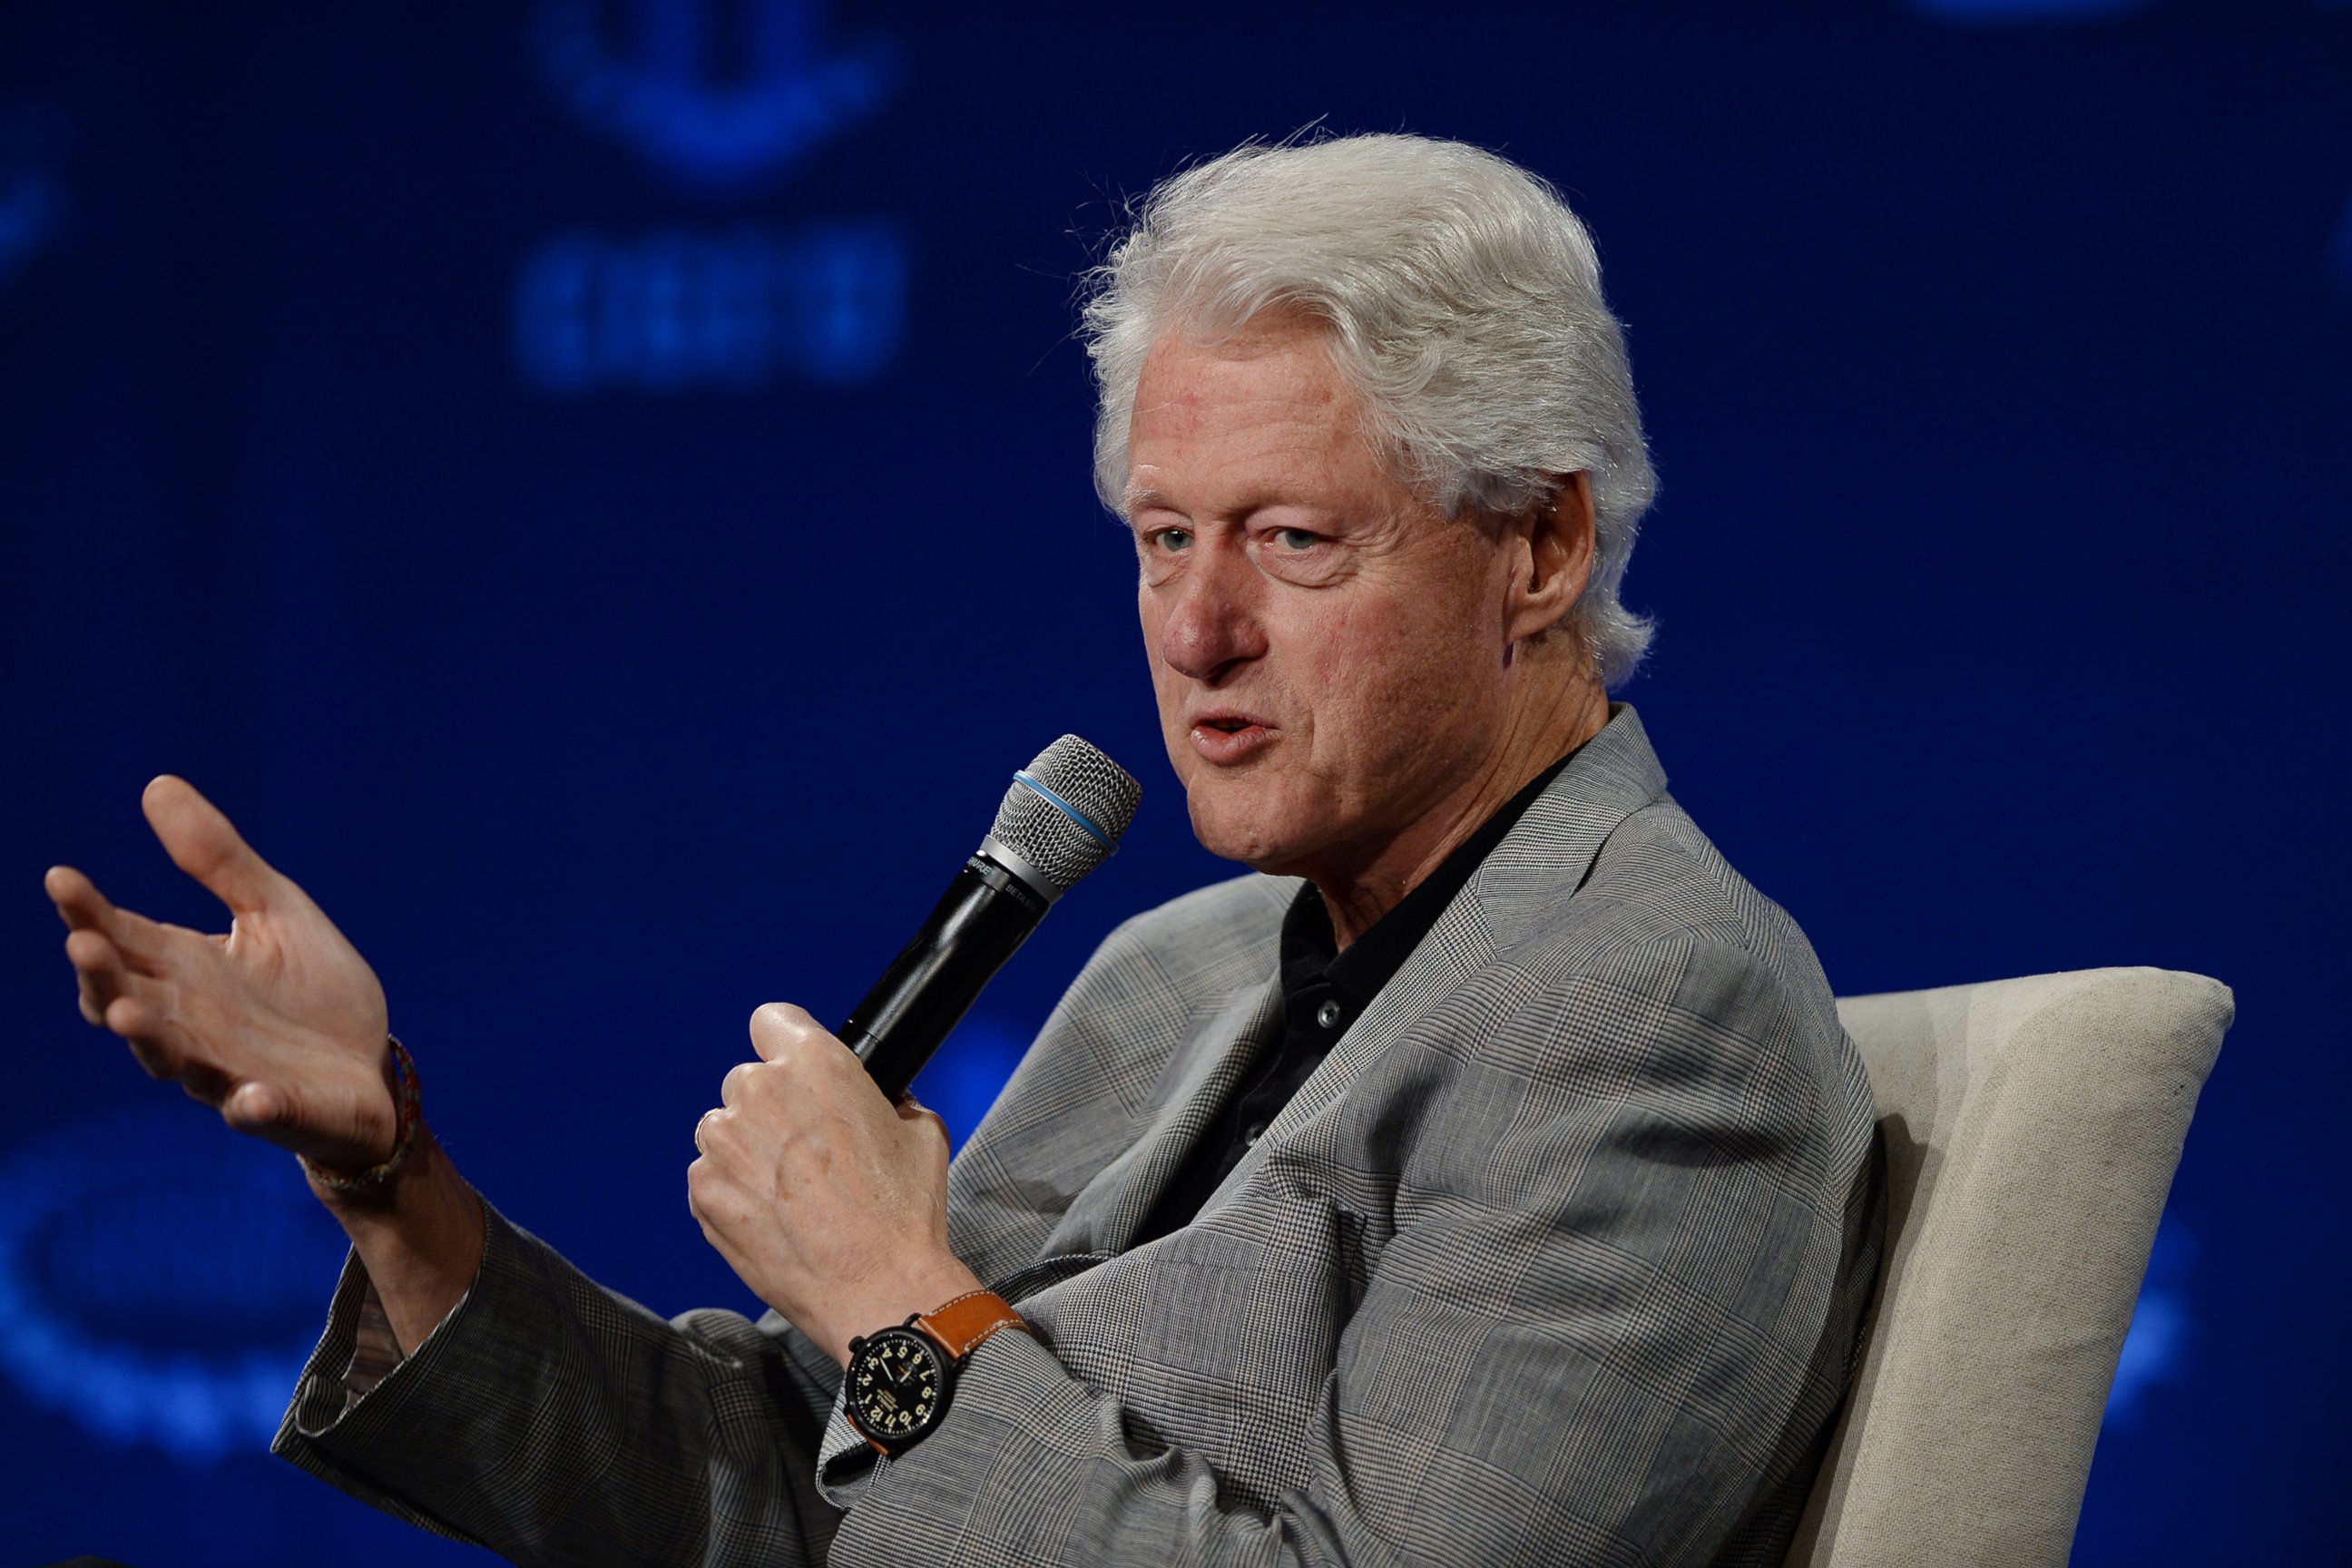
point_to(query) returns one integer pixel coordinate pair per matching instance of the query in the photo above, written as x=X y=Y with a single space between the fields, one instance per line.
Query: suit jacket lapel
x=1550 y=848
x=1105 y=1214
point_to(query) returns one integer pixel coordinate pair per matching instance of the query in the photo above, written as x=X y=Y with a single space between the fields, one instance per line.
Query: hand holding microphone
x=827 y=1199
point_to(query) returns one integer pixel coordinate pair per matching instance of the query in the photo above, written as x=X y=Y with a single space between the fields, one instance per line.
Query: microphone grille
x=1039 y=819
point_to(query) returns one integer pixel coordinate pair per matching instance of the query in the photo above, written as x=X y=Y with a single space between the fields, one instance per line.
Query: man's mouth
x=1230 y=737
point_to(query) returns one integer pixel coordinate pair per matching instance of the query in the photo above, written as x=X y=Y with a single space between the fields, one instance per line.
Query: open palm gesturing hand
x=278 y=1024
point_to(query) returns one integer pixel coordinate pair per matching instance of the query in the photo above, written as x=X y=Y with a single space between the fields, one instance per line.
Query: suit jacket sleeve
x=1601 y=1314
x=556 y=1422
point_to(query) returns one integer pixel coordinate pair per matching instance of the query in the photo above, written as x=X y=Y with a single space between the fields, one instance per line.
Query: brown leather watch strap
x=962 y=1324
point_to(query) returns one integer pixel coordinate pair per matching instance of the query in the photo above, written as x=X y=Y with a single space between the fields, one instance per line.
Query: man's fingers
x=98 y=965
x=98 y=971
x=143 y=943
x=79 y=901
x=143 y=1025
x=104 y=962
x=201 y=843
x=92 y=952
x=141 y=1010
x=778 y=1026
x=256 y=1107
x=131 y=1005
x=288 y=1115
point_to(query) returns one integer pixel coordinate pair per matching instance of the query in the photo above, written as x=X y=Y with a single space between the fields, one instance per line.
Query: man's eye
x=1294 y=538
x=1171 y=539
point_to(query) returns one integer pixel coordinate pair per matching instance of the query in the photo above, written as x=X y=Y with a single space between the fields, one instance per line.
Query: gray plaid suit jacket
x=1559 y=1257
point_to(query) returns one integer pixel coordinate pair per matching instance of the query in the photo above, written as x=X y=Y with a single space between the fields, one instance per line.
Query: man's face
x=1328 y=648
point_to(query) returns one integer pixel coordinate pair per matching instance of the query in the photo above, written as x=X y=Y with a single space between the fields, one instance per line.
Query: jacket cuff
x=358 y=1354
x=846 y=1463
x=342 y=1434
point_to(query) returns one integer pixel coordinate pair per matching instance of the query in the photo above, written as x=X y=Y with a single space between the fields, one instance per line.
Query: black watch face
x=897 y=1386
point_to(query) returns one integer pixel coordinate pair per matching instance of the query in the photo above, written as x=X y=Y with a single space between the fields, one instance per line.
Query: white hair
x=1461 y=300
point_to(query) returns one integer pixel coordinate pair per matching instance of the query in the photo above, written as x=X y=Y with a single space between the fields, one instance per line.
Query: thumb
x=201 y=843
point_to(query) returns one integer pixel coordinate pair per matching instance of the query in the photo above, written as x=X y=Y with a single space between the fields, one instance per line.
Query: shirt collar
x=1310 y=954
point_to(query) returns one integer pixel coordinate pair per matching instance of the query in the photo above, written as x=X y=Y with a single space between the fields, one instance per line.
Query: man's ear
x=1554 y=545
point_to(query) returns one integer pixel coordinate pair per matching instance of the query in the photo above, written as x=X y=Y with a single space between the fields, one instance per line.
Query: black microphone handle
x=986 y=915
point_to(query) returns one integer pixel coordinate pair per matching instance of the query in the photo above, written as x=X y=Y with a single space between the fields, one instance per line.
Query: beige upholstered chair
x=2031 y=1128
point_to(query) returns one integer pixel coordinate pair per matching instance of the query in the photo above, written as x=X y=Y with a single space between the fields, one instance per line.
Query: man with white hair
x=1485 y=1180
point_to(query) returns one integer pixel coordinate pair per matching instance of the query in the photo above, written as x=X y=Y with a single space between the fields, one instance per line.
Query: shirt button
x=1328 y=1014
x=1252 y=1134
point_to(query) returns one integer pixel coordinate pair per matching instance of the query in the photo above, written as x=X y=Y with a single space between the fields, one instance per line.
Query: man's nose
x=1213 y=625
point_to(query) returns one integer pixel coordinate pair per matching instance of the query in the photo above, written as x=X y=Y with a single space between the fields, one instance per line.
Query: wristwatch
x=899 y=1379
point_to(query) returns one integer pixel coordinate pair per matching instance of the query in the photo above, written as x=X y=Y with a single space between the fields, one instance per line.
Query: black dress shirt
x=1324 y=991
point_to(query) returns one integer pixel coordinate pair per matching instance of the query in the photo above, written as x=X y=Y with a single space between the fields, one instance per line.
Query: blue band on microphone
x=1072 y=812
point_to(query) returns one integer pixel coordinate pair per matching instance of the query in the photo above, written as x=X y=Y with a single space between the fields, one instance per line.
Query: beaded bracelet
x=412 y=1115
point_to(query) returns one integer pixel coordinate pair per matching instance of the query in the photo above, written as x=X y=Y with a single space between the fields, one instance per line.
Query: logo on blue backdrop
x=717 y=98
x=677 y=309
x=161 y=1280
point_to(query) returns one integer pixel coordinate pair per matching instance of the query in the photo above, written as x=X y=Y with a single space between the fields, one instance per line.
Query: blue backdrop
x=599 y=492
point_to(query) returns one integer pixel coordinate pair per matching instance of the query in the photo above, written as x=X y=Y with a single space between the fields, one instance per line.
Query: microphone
x=1062 y=816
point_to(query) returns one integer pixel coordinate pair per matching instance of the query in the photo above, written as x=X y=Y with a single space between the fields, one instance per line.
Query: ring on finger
x=698 y=1129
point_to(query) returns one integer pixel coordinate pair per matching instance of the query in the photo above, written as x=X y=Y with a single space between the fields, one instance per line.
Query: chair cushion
x=2032 y=1127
